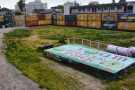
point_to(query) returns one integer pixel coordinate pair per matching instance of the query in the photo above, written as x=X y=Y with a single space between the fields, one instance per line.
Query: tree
x=93 y=3
x=18 y=13
x=21 y=5
x=60 y=7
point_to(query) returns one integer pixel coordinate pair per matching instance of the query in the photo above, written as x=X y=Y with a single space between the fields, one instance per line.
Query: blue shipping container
x=126 y=17
x=1 y=24
x=54 y=17
x=109 y=25
x=70 y=17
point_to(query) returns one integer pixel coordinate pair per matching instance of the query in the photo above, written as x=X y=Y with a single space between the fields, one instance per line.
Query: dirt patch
x=89 y=82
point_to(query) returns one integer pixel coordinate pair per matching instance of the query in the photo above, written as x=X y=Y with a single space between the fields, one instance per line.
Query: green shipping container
x=8 y=20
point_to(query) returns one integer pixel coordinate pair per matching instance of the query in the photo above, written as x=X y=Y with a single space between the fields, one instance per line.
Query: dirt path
x=10 y=77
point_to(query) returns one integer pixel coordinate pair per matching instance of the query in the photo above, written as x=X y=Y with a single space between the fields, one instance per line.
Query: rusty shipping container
x=61 y=23
x=110 y=17
x=54 y=22
x=20 y=23
x=48 y=16
x=71 y=23
x=94 y=17
x=82 y=23
x=32 y=17
x=31 y=23
x=41 y=22
x=48 y=22
x=19 y=18
x=94 y=24
x=61 y=17
x=126 y=25
x=82 y=17
x=1 y=19
x=41 y=16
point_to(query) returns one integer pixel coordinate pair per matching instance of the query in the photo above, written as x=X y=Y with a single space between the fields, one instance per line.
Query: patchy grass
x=22 y=52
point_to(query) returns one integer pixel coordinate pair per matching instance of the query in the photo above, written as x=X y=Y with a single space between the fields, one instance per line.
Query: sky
x=11 y=3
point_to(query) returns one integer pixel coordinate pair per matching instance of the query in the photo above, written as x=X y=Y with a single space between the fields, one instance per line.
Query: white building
x=67 y=8
x=31 y=6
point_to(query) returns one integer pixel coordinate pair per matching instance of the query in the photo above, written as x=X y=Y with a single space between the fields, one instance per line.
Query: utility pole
x=24 y=12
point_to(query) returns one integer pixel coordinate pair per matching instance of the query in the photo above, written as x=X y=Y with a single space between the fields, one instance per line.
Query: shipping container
x=1 y=24
x=109 y=25
x=71 y=23
x=31 y=23
x=41 y=22
x=94 y=24
x=126 y=25
x=48 y=22
x=41 y=16
x=126 y=17
x=81 y=17
x=1 y=19
x=20 y=23
x=82 y=23
x=31 y=17
x=70 y=17
x=48 y=16
x=94 y=17
x=60 y=17
x=8 y=20
x=61 y=23
x=54 y=17
x=54 y=22
x=19 y=17
x=110 y=17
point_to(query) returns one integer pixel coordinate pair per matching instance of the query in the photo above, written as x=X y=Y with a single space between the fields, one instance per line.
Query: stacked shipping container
x=71 y=20
x=31 y=20
x=126 y=21
x=54 y=19
x=8 y=20
x=41 y=19
x=94 y=20
x=82 y=20
x=61 y=20
x=109 y=21
x=19 y=20
x=48 y=19
x=1 y=21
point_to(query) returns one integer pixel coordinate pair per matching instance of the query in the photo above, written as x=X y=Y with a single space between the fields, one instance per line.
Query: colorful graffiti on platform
x=93 y=57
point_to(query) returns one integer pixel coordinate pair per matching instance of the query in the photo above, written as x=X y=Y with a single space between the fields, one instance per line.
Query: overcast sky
x=11 y=3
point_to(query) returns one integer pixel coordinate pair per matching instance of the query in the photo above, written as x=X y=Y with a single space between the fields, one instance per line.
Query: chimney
x=113 y=1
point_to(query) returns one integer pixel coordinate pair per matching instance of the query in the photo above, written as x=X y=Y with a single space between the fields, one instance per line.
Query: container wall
x=31 y=17
x=94 y=17
x=8 y=21
x=83 y=17
x=41 y=16
x=126 y=17
x=126 y=25
x=48 y=16
x=1 y=19
x=110 y=17
x=31 y=23
x=60 y=17
x=109 y=25
x=71 y=23
x=82 y=23
x=20 y=23
x=54 y=22
x=1 y=24
x=54 y=17
x=41 y=22
x=94 y=24
x=19 y=17
x=48 y=22
x=61 y=23
x=70 y=17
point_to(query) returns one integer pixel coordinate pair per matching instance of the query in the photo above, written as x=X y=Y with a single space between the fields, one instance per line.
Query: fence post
x=127 y=52
x=82 y=41
x=73 y=40
x=107 y=48
x=98 y=45
x=68 y=41
x=90 y=43
x=116 y=50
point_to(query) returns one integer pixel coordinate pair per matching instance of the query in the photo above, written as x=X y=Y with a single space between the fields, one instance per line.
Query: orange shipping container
x=94 y=17
x=31 y=23
x=110 y=17
x=20 y=23
x=19 y=17
x=62 y=23
x=41 y=22
x=1 y=19
x=48 y=22
x=82 y=17
x=126 y=25
x=60 y=17
x=48 y=16
x=31 y=17
x=94 y=24
x=82 y=23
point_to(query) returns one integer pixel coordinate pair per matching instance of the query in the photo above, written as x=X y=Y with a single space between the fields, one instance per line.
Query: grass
x=22 y=51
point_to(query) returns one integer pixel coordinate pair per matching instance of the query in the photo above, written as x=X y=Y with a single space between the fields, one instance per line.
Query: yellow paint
x=31 y=17
x=82 y=17
x=94 y=24
x=126 y=25
x=19 y=23
x=19 y=17
x=49 y=17
x=94 y=17
x=41 y=22
x=60 y=17
x=61 y=23
x=82 y=23
x=48 y=22
x=1 y=19
x=114 y=17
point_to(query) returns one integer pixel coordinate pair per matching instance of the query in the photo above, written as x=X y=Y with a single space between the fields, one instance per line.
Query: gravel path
x=10 y=77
